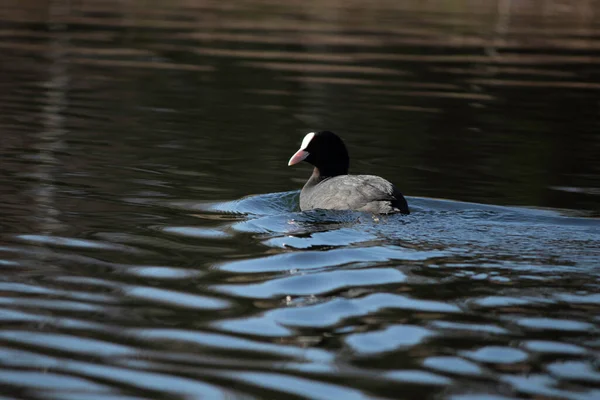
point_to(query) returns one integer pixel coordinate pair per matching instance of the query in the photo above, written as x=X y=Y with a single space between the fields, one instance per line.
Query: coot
x=330 y=187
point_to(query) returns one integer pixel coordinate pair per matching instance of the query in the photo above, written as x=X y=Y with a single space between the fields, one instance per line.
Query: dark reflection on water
x=134 y=267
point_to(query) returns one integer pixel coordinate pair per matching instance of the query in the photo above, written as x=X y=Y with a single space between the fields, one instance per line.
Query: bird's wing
x=353 y=192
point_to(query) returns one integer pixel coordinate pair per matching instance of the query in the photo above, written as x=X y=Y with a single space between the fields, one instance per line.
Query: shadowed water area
x=151 y=243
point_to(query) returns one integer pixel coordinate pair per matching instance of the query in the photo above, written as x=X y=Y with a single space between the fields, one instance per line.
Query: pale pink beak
x=298 y=156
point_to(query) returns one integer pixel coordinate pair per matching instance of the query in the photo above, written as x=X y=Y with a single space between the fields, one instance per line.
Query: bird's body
x=330 y=186
x=353 y=192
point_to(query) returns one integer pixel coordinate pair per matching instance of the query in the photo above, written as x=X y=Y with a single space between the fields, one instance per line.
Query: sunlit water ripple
x=336 y=304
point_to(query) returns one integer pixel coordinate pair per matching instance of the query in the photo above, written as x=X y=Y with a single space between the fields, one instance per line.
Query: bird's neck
x=320 y=174
x=331 y=170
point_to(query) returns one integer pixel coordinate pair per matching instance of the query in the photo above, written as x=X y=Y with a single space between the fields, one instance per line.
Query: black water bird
x=330 y=186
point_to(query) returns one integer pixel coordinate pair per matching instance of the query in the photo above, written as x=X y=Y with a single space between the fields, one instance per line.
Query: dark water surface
x=133 y=265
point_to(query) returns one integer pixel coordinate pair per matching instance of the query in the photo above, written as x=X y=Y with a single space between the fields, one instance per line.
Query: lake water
x=151 y=243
